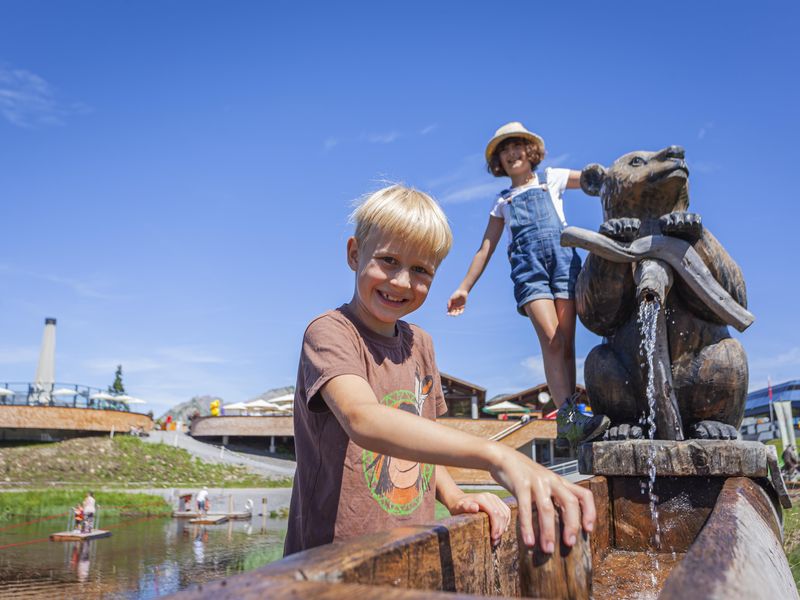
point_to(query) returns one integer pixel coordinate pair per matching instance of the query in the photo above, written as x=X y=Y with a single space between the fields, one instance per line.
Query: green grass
x=121 y=462
x=791 y=537
x=47 y=503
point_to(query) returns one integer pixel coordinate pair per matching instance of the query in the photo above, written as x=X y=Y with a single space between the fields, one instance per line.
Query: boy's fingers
x=547 y=523
x=525 y=513
x=570 y=513
x=499 y=517
x=588 y=510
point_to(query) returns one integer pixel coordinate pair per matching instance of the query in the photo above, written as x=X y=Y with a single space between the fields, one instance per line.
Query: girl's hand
x=498 y=511
x=457 y=302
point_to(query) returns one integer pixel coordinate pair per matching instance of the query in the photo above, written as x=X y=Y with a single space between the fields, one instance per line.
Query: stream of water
x=648 y=323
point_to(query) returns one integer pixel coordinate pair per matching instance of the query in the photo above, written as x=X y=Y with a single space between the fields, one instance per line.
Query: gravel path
x=263 y=465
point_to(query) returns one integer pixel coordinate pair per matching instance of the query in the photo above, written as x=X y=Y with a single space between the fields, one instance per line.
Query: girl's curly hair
x=533 y=149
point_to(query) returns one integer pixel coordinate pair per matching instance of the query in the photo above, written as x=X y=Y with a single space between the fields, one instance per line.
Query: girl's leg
x=544 y=316
x=565 y=312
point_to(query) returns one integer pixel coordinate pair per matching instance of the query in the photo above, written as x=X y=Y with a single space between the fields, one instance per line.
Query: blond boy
x=368 y=393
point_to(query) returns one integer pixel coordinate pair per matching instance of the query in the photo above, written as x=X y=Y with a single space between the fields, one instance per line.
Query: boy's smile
x=392 y=280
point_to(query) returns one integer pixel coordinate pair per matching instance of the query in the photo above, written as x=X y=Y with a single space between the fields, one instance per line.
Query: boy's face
x=392 y=280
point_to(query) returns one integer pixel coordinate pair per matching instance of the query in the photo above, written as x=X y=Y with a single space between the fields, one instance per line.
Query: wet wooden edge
x=302 y=590
x=715 y=458
x=454 y=553
x=739 y=552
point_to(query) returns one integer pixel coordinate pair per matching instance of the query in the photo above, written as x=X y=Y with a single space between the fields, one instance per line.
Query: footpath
x=262 y=465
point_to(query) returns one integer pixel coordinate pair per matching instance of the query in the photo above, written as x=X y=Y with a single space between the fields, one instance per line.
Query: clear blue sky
x=176 y=176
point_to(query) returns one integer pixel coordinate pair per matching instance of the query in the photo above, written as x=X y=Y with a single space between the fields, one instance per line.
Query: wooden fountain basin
x=720 y=537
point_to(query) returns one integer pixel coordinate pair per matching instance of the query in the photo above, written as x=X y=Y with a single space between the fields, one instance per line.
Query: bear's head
x=645 y=185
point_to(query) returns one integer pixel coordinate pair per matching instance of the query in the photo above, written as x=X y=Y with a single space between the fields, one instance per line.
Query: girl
x=544 y=273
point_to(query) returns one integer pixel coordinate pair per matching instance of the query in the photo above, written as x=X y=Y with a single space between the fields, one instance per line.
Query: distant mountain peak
x=202 y=404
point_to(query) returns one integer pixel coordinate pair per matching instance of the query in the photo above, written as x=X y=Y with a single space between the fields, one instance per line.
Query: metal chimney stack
x=46 y=370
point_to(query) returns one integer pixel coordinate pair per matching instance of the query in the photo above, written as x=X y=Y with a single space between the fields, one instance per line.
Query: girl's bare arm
x=492 y=235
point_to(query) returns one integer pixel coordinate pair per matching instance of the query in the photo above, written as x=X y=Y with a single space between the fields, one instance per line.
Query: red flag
x=769 y=389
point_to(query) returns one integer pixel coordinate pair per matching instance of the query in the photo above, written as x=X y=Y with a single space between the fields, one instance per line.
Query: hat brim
x=495 y=141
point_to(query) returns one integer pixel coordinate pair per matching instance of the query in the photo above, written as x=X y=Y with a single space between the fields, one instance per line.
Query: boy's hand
x=533 y=484
x=457 y=302
x=498 y=511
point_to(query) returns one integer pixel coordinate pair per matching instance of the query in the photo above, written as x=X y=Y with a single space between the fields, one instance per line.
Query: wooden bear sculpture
x=651 y=249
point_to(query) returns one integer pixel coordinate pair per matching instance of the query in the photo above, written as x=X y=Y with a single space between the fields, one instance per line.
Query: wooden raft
x=77 y=536
x=209 y=520
x=191 y=514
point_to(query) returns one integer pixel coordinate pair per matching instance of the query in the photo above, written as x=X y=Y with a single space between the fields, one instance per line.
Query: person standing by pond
x=89 y=508
x=544 y=274
x=202 y=500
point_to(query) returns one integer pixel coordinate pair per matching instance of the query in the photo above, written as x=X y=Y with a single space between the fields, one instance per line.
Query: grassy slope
x=46 y=503
x=121 y=462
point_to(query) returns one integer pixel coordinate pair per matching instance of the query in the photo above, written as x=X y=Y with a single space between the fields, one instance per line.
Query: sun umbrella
x=64 y=392
x=282 y=399
x=102 y=396
x=505 y=407
x=261 y=405
x=129 y=399
x=6 y=392
x=235 y=406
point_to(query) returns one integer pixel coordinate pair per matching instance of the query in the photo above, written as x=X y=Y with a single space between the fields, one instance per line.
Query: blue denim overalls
x=540 y=266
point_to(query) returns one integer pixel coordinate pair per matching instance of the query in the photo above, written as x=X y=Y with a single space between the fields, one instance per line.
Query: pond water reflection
x=144 y=557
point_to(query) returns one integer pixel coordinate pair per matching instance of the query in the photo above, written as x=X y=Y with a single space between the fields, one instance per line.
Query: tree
x=117 y=387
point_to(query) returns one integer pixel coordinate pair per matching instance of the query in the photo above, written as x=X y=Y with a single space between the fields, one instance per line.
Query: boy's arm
x=396 y=433
x=494 y=230
x=458 y=502
x=574 y=181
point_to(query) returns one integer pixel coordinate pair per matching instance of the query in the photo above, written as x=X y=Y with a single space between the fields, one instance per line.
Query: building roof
x=455 y=388
x=758 y=401
x=530 y=397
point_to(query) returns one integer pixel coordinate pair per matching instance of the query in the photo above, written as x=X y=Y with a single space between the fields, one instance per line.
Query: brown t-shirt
x=340 y=489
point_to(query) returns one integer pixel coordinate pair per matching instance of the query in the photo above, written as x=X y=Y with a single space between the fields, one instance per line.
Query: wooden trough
x=77 y=536
x=720 y=537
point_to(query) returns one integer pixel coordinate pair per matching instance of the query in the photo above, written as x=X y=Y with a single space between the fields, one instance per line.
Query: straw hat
x=509 y=130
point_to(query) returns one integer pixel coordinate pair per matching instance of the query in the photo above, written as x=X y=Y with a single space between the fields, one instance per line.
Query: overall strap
x=542 y=175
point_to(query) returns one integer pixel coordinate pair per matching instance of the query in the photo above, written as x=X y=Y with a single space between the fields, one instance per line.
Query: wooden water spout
x=653 y=280
x=680 y=255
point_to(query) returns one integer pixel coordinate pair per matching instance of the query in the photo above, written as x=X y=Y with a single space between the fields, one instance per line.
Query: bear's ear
x=592 y=178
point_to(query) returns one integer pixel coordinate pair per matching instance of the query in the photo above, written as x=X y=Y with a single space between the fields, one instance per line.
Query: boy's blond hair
x=405 y=213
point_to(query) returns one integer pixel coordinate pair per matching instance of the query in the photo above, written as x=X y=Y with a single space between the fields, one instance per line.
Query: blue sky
x=176 y=176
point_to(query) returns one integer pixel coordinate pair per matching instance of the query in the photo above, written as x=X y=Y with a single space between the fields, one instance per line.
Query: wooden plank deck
x=77 y=536
x=191 y=514
x=209 y=520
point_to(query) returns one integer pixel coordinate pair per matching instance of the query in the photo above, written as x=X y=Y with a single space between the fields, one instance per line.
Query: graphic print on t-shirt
x=397 y=485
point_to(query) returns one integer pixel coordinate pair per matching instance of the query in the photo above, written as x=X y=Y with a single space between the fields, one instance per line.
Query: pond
x=144 y=558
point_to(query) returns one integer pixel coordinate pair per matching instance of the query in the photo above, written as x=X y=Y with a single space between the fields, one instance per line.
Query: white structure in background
x=46 y=369
x=238 y=406
x=783 y=415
